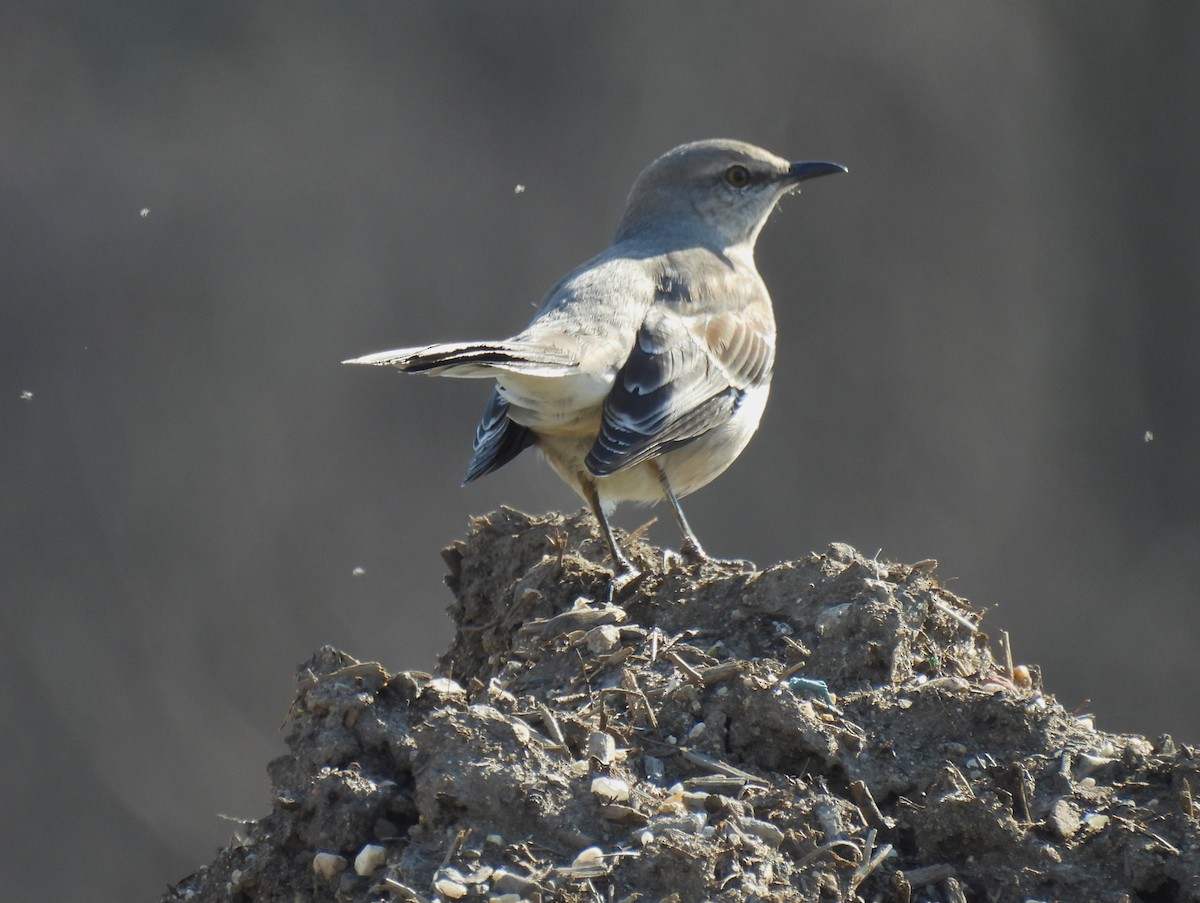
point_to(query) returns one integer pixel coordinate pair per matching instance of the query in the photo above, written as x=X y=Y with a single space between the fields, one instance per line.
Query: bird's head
x=717 y=193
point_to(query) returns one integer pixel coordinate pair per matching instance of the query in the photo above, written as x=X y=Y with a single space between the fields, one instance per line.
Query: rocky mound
x=834 y=728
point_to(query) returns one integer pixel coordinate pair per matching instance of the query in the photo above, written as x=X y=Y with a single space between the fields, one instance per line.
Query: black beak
x=810 y=169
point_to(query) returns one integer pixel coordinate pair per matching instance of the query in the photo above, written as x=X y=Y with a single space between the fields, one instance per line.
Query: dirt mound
x=833 y=728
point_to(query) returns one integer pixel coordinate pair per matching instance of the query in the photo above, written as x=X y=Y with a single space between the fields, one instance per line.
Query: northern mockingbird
x=645 y=371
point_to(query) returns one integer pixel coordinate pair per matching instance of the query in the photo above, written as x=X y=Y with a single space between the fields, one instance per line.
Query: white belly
x=688 y=468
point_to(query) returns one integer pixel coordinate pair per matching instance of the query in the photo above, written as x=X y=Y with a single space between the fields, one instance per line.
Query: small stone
x=763 y=830
x=505 y=882
x=588 y=858
x=625 y=815
x=604 y=638
x=444 y=686
x=329 y=865
x=840 y=551
x=1064 y=819
x=655 y=770
x=449 y=888
x=1087 y=763
x=369 y=858
x=611 y=790
x=602 y=747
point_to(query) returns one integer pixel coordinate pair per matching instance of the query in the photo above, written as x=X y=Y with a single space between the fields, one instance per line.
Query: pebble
x=449 y=888
x=602 y=746
x=588 y=858
x=369 y=858
x=655 y=769
x=604 y=638
x=444 y=686
x=611 y=790
x=1064 y=819
x=1022 y=677
x=329 y=865
x=506 y=882
x=763 y=830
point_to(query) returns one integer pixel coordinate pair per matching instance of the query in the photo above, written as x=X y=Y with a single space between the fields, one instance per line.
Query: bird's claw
x=688 y=556
x=625 y=577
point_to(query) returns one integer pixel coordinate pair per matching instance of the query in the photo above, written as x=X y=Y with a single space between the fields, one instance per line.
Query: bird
x=646 y=370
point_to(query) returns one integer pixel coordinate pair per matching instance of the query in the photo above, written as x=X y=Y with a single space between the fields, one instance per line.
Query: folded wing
x=686 y=375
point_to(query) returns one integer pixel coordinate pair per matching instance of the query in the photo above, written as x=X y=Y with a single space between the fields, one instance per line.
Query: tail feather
x=475 y=359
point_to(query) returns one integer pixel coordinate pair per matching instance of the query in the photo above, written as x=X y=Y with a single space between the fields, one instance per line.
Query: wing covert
x=685 y=375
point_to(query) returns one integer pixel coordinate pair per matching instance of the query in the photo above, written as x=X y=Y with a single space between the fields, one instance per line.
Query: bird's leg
x=691 y=548
x=625 y=573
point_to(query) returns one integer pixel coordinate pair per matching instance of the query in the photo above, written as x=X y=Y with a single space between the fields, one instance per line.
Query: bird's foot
x=625 y=577
x=735 y=564
x=692 y=553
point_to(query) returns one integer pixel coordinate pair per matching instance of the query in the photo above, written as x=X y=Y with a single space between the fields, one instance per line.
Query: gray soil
x=677 y=745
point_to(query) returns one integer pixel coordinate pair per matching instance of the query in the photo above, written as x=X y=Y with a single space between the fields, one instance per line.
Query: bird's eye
x=737 y=176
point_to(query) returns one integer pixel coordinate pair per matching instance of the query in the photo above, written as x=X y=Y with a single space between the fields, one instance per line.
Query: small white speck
x=1147 y=436
x=145 y=212
x=26 y=395
x=520 y=189
x=359 y=572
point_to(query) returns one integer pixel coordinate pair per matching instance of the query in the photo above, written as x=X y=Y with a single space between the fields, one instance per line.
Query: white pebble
x=329 y=865
x=444 y=686
x=369 y=858
x=588 y=858
x=611 y=790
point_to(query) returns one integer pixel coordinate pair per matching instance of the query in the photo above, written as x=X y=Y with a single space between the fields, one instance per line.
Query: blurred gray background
x=978 y=328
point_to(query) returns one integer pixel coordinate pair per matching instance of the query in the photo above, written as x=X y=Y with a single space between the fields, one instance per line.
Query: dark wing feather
x=685 y=376
x=497 y=439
